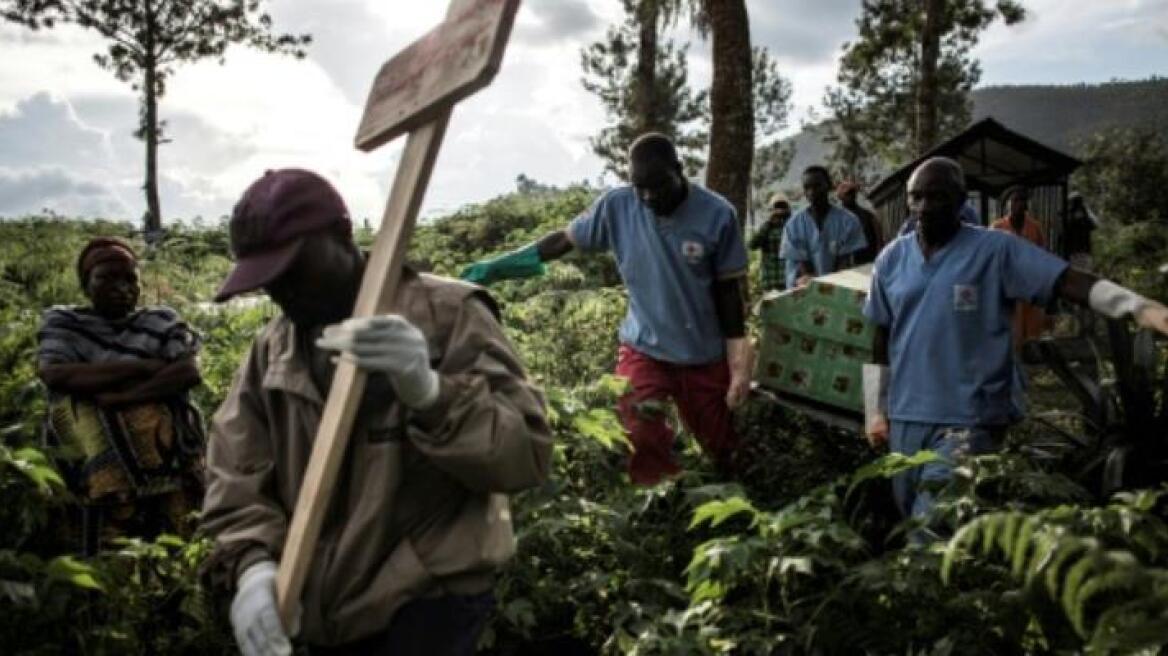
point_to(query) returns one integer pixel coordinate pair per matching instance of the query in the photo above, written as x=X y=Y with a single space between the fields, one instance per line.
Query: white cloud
x=66 y=125
x=31 y=190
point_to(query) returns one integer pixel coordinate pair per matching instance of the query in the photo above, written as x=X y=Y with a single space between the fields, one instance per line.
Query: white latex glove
x=391 y=345
x=254 y=616
x=875 y=388
x=1116 y=302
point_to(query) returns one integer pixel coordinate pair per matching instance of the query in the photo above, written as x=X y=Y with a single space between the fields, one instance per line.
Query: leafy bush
x=801 y=554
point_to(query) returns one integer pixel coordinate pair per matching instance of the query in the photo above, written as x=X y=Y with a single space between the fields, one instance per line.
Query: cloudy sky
x=66 y=125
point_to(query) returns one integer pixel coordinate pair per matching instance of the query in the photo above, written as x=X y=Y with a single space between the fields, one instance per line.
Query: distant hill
x=1058 y=116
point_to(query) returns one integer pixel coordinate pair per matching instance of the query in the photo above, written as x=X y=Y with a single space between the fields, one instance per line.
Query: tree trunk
x=731 y=104
x=645 y=92
x=926 y=119
x=149 y=129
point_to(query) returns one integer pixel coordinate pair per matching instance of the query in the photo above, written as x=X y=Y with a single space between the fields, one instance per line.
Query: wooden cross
x=414 y=92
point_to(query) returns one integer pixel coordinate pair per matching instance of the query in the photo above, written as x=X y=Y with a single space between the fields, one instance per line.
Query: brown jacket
x=420 y=506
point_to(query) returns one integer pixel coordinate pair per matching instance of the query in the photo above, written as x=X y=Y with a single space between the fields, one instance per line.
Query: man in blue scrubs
x=943 y=298
x=680 y=252
x=822 y=237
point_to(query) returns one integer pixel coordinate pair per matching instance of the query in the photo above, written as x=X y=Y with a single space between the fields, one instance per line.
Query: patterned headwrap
x=103 y=249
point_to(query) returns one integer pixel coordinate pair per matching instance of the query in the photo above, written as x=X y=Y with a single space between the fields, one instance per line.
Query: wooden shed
x=994 y=159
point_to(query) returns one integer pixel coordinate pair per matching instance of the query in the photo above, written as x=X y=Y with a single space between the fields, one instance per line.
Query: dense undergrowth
x=802 y=554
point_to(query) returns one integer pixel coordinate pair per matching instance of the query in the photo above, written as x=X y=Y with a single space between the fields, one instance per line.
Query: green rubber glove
x=521 y=263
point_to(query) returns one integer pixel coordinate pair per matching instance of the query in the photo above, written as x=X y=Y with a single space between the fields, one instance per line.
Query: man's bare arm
x=730 y=306
x=880 y=346
x=1075 y=286
x=1112 y=300
x=554 y=245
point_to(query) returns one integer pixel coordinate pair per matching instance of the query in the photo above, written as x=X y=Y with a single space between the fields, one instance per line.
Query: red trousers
x=699 y=391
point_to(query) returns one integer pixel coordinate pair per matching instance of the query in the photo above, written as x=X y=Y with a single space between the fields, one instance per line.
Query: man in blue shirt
x=821 y=238
x=679 y=250
x=943 y=299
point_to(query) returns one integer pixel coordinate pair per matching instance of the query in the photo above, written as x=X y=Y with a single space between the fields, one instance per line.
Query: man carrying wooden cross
x=406 y=556
x=681 y=256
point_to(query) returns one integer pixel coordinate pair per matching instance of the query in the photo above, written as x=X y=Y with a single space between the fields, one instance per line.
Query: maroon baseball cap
x=270 y=222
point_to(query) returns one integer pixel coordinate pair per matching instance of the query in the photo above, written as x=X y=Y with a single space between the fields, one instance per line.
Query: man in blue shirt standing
x=943 y=298
x=679 y=250
x=821 y=238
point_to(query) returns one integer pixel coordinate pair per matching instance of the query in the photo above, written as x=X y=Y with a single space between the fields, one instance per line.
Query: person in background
x=119 y=378
x=1081 y=222
x=848 y=194
x=767 y=240
x=942 y=300
x=1029 y=320
x=680 y=253
x=821 y=238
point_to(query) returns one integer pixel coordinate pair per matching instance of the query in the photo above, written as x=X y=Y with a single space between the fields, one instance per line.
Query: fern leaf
x=960 y=542
x=1046 y=547
x=1076 y=575
x=991 y=525
x=1008 y=533
x=1064 y=550
x=1023 y=541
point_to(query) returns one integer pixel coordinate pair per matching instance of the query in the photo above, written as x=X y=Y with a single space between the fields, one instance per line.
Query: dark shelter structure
x=994 y=159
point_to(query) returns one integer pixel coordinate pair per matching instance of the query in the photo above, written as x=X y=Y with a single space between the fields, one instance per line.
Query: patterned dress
x=137 y=468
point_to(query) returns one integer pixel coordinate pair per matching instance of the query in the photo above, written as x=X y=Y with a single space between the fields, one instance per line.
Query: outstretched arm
x=554 y=245
x=523 y=262
x=1112 y=300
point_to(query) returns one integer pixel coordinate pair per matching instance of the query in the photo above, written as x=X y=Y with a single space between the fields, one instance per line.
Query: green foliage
x=1125 y=177
x=144 y=598
x=772 y=107
x=641 y=80
x=1104 y=583
x=800 y=554
x=1125 y=182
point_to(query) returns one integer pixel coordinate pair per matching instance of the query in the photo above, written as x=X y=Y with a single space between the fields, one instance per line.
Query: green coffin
x=815 y=339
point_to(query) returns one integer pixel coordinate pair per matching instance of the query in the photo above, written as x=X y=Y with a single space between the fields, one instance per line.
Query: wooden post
x=414 y=92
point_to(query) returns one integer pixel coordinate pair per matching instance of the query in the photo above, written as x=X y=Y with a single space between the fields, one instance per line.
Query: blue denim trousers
x=911 y=489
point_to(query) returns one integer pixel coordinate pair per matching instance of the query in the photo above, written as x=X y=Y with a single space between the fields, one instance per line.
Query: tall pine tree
x=643 y=82
x=904 y=83
x=147 y=39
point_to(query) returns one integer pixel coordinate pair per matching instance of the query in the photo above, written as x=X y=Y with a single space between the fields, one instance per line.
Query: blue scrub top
x=949 y=321
x=803 y=242
x=669 y=265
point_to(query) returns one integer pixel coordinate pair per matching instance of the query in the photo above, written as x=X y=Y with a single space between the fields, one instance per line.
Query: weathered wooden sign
x=453 y=61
